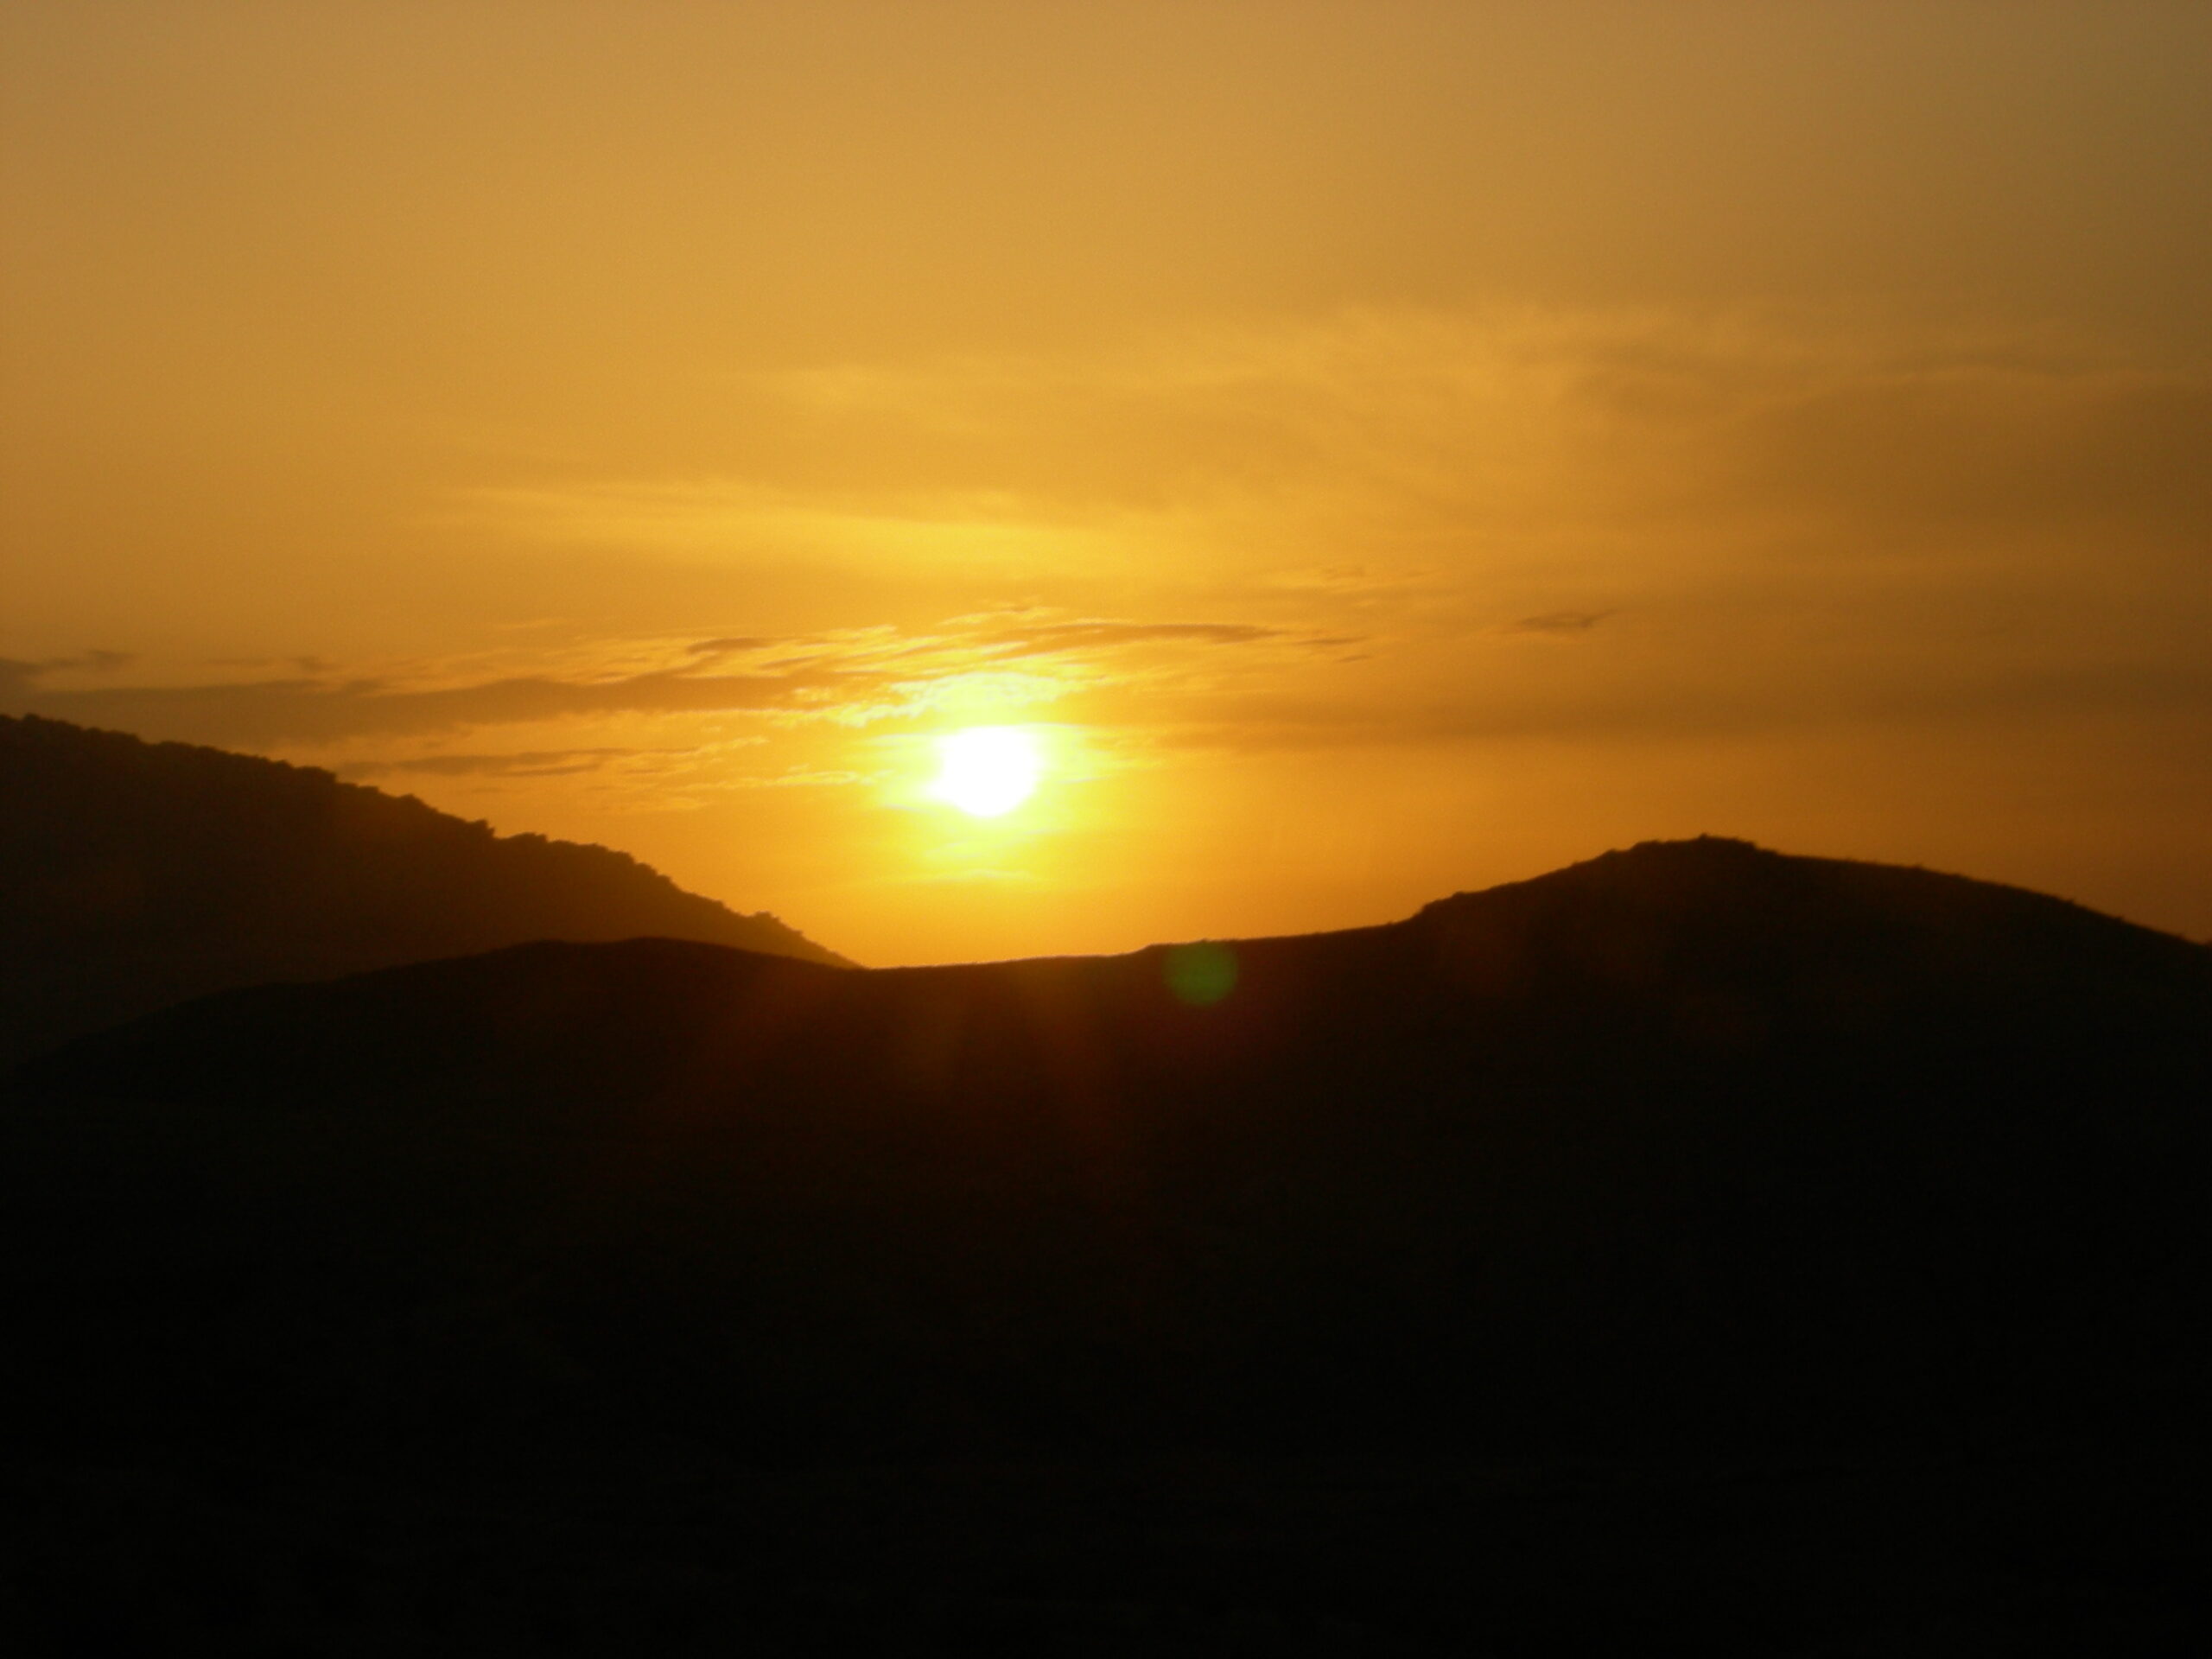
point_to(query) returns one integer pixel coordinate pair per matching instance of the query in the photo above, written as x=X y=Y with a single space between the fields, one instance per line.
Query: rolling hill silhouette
x=1692 y=1142
x=1696 y=1247
x=134 y=875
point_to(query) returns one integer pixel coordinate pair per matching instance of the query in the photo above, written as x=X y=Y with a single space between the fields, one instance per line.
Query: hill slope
x=134 y=874
x=1694 y=1141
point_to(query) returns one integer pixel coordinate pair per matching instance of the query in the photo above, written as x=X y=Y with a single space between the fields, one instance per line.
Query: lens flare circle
x=1201 y=974
x=987 y=771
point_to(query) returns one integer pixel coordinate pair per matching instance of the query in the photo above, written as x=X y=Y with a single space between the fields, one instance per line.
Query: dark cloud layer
x=535 y=763
x=871 y=673
x=276 y=712
x=1558 y=622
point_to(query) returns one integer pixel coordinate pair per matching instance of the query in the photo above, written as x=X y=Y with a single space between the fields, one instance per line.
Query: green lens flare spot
x=1202 y=974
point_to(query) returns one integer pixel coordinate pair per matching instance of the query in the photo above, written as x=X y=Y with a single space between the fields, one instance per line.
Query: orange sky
x=1382 y=448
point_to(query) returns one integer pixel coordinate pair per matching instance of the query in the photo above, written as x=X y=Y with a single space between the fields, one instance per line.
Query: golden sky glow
x=1376 y=448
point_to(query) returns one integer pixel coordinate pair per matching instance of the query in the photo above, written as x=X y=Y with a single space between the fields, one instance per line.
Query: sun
x=987 y=769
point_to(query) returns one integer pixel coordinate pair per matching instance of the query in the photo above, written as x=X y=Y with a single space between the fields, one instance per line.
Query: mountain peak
x=136 y=874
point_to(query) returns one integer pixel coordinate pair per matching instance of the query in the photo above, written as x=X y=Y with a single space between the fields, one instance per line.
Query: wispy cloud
x=535 y=763
x=1557 y=416
x=855 y=677
x=287 y=711
x=18 y=677
x=1357 y=530
x=1416 y=471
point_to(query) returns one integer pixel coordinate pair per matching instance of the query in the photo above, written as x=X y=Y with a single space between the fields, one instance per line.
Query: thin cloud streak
x=1557 y=623
x=549 y=763
x=857 y=677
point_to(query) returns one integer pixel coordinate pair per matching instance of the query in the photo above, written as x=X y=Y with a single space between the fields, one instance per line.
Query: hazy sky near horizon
x=1380 y=449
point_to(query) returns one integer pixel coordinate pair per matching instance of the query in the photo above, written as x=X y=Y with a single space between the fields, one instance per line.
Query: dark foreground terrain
x=2089 y=1550
x=1694 y=1248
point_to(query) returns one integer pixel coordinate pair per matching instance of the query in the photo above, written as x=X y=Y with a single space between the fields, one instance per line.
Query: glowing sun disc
x=987 y=769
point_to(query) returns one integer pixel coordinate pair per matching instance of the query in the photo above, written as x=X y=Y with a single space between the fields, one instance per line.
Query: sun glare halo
x=987 y=771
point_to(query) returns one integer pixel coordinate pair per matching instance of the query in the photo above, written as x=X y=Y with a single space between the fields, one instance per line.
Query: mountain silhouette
x=134 y=875
x=1694 y=1142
